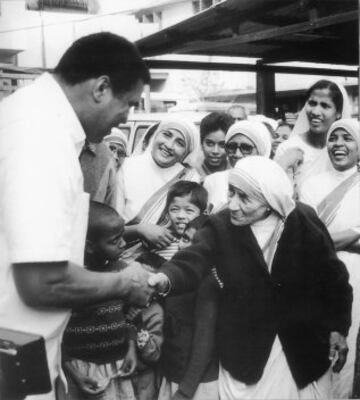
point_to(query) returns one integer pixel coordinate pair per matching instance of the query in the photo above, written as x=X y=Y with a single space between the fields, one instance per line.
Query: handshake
x=139 y=286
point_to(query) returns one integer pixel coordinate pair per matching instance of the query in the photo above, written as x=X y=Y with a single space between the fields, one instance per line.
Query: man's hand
x=160 y=282
x=134 y=282
x=158 y=236
x=338 y=346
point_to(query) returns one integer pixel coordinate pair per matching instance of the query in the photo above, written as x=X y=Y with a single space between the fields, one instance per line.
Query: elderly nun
x=285 y=305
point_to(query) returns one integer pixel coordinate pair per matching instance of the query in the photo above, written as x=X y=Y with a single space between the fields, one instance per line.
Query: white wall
x=21 y=29
x=174 y=13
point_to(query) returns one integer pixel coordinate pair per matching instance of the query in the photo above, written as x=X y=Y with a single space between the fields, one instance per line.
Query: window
x=196 y=6
x=201 y=5
x=148 y=18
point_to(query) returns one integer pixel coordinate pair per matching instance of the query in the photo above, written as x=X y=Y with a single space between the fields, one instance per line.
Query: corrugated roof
x=322 y=31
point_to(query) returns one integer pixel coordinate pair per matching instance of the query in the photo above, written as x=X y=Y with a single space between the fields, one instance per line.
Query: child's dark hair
x=213 y=122
x=198 y=195
x=99 y=214
x=197 y=222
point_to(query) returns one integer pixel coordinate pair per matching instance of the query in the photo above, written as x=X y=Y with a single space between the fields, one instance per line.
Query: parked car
x=139 y=124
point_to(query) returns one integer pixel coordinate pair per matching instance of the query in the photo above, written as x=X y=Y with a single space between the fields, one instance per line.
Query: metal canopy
x=273 y=31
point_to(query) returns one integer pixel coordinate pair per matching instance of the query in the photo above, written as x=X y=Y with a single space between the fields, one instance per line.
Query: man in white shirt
x=43 y=207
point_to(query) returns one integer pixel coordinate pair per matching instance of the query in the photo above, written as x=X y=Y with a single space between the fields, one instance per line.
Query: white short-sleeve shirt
x=43 y=209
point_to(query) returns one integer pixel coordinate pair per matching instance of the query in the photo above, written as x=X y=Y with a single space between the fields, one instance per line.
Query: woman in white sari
x=144 y=180
x=335 y=194
x=326 y=102
x=243 y=139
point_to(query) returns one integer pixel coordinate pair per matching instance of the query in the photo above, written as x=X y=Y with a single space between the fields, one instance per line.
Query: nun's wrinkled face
x=343 y=149
x=238 y=147
x=245 y=210
x=168 y=148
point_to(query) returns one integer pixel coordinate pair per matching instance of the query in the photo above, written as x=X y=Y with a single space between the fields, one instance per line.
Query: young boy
x=213 y=129
x=185 y=201
x=188 y=363
x=99 y=344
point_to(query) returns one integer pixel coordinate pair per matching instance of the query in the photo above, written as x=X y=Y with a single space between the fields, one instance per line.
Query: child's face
x=187 y=238
x=181 y=212
x=111 y=243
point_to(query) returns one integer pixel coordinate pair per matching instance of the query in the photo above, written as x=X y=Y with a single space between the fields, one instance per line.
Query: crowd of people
x=214 y=263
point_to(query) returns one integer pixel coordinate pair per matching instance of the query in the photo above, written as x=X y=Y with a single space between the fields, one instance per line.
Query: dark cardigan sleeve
x=186 y=269
x=333 y=279
x=203 y=344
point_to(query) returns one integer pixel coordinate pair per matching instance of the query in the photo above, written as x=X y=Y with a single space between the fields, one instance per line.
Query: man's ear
x=101 y=88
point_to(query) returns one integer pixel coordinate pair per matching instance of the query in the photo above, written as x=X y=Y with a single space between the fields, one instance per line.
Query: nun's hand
x=338 y=350
x=291 y=159
x=160 y=282
x=158 y=236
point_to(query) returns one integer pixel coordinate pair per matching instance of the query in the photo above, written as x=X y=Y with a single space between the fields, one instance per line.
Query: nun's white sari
x=345 y=216
x=335 y=195
x=143 y=185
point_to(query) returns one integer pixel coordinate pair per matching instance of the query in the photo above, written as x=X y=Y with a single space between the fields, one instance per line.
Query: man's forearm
x=66 y=285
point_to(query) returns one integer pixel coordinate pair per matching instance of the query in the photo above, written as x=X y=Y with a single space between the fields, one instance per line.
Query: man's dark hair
x=198 y=195
x=103 y=53
x=99 y=214
x=213 y=122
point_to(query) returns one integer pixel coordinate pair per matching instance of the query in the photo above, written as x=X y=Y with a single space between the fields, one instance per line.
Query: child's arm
x=203 y=344
x=151 y=337
x=85 y=383
x=130 y=360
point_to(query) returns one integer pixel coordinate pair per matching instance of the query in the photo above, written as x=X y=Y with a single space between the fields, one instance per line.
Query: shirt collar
x=65 y=110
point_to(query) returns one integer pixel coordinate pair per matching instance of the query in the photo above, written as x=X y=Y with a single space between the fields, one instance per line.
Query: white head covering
x=302 y=122
x=255 y=131
x=262 y=118
x=117 y=136
x=190 y=133
x=350 y=125
x=265 y=180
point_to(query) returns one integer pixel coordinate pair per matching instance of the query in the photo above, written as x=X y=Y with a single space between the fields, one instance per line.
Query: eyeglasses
x=245 y=148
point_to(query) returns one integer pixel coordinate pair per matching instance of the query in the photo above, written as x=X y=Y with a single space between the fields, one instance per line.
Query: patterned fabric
x=169 y=251
x=98 y=333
